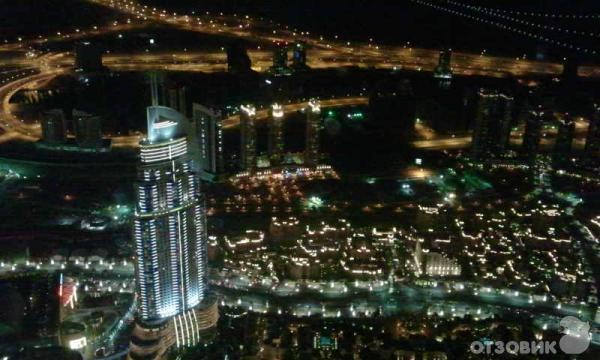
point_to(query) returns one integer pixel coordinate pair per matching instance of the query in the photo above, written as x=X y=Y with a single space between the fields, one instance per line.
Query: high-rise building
x=493 y=123
x=280 y=60
x=175 y=309
x=248 y=137
x=54 y=127
x=592 y=141
x=88 y=57
x=313 y=124
x=299 y=56
x=276 y=143
x=534 y=123
x=444 y=69
x=564 y=137
x=238 y=61
x=209 y=135
x=88 y=129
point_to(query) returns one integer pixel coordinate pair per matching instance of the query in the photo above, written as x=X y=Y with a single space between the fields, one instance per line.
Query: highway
x=332 y=50
x=302 y=299
x=12 y=127
x=322 y=53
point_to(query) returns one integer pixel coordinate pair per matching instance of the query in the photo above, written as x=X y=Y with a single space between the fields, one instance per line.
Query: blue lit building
x=169 y=228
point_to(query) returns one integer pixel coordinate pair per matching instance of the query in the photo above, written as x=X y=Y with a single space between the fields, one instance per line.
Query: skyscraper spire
x=154 y=97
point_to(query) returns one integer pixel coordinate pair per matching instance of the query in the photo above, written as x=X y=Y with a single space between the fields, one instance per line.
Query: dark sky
x=387 y=21
x=398 y=21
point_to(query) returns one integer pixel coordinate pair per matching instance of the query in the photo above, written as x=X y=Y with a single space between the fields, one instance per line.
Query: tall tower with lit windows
x=313 y=123
x=208 y=130
x=248 y=137
x=276 y=134
x=175 y=309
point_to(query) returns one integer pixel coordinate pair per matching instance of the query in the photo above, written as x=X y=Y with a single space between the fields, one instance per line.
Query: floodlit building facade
x=169 y=228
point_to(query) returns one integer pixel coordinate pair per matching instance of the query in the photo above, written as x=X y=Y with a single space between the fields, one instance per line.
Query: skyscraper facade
x=209 y=135
x=276 y=144
x=493 y=121
x=248 y=137
x=169 y=228
x=313 y=124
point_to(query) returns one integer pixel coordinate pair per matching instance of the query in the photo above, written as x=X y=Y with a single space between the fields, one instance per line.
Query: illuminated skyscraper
x=276 y=134
x=492 y=124
x=313 y=124
x=533 y=131
x=248 y=137
x=592 y=142
x=169 y=228
x=209 y=135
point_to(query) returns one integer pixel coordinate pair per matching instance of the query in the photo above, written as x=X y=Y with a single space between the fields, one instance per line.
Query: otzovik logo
x=576 y=338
